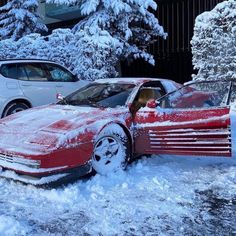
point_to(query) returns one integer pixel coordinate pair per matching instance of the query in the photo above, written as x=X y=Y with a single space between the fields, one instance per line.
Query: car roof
x=132 y=80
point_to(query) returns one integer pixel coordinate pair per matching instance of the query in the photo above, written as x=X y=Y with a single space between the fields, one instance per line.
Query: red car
x=108 y=122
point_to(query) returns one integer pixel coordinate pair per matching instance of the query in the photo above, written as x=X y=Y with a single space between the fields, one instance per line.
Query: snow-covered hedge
x=214 y=43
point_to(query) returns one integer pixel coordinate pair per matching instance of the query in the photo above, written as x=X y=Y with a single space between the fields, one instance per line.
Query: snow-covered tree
x=131 y=22
x=19 y=18
x=94 y=54
x=214 y=43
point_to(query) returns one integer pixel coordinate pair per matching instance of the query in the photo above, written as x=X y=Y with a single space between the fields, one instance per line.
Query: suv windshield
x=100 y=95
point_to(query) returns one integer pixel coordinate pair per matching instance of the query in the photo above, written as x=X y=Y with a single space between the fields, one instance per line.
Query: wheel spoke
x=103 y=160
x=105 y=143
x=102 y=148
x=99 y=152
x=114 y=148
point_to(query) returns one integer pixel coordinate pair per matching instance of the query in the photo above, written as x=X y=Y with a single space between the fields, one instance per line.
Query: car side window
x=199 y=95
x=233 y=94
x=150 y=90
x=9 y=71
x=145 y=94
x=59 y=74
x=34 y=71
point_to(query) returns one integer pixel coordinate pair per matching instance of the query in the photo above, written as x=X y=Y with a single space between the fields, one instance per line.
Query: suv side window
x=21 y=74
x=59 y=74
x=34 y=71
x=9 y=71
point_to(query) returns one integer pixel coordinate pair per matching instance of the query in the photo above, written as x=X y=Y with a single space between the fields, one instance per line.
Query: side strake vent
x=205 y=142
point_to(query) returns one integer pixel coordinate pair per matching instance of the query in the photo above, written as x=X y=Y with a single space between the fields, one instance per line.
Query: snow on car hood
x=50 y=126
x=54 y=118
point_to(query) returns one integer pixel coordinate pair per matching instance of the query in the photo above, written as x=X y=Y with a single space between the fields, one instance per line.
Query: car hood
x=55 y=118
x=51 y=126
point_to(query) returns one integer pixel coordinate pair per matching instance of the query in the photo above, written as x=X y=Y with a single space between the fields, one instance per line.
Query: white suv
x=29 y=83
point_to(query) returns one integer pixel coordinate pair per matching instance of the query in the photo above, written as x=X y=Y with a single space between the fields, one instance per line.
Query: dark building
x=173 y=55
x=3 y=2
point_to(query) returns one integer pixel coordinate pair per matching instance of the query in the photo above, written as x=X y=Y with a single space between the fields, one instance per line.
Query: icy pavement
x=154 y=196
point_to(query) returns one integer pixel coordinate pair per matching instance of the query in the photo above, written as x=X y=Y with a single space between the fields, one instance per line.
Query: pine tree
x=19 y=18
x=130 y=22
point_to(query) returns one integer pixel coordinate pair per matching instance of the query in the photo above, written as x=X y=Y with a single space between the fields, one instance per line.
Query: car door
x=35 y=85
x=194 y=120
x=64 y=81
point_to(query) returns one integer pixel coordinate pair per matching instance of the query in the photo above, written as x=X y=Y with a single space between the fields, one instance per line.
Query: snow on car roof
x=132 y=80
x=16 y=60
x=23 y=59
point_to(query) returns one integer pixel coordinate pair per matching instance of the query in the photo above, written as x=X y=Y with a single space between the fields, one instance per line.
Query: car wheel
x=111 y=150
x=14 y=107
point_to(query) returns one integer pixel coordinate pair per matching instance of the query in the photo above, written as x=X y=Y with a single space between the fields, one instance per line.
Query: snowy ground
x=154 y=196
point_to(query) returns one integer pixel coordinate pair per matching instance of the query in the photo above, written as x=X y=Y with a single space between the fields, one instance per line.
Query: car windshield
x=100 y=95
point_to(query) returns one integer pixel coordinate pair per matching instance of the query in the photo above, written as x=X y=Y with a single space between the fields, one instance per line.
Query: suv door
x=65 y=82
x=9 y=80
x=194 y=120
x=34 y=83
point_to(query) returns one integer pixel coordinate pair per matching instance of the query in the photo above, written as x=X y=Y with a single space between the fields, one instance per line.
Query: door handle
x=59 y=86
x=26 y=85
x=12 y=85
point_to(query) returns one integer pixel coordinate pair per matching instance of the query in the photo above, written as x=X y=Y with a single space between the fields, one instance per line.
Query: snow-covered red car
x=105 y=124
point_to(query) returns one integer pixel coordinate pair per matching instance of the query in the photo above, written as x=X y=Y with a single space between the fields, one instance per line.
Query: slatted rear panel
x=202 y=142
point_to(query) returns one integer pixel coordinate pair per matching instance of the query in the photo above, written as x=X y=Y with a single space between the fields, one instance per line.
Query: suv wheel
x=14 y=107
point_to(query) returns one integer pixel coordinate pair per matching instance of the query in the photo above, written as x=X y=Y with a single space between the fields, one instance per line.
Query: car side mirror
x=60 y=97
x=152 y=103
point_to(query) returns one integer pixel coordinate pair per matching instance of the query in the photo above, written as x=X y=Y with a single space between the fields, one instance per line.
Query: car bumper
x=45 y=170
x=41 y=168
x=45 y=177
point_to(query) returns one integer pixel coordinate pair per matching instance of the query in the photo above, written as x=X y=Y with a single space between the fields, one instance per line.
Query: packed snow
x=154 y=196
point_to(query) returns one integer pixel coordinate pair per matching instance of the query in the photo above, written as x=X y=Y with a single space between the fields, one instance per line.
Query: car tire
x=14 y=107
x=111 y=150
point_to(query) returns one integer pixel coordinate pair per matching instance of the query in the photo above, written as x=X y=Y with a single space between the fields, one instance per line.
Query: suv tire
x=14 y=107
